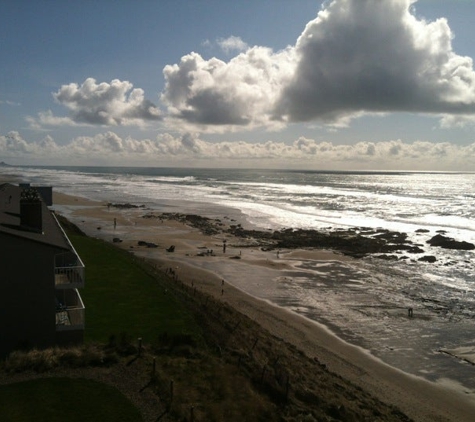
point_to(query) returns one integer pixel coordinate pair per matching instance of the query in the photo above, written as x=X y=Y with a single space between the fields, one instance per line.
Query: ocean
x=365 y=303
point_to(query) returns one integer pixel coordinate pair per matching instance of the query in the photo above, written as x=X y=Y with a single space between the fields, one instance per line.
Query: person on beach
x=115 y=223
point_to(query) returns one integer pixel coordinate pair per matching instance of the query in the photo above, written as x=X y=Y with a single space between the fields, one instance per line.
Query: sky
x=297 y=84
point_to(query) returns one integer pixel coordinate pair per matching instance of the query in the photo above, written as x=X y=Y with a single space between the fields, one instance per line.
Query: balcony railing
x=68 y=271
x=70 y=311
x=68 y=277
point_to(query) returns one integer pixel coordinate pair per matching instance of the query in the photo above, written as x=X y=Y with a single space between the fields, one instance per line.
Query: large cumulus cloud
x=375 y=56
x=237 y=93
x=355 y=57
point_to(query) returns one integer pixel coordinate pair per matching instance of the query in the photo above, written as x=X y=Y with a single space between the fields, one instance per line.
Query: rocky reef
x=356 y=242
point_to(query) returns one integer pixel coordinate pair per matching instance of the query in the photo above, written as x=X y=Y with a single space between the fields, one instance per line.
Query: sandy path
x=419 y=399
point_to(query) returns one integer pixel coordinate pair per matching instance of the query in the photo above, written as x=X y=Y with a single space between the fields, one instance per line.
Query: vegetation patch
x=126 y=300
x=60 y=399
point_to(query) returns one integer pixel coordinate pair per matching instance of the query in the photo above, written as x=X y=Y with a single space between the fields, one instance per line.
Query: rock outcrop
x=449 y=243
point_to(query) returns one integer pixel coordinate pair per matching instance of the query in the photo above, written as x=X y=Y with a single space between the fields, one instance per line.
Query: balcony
x=70 y=310
x=69 y=271
x=69 y=277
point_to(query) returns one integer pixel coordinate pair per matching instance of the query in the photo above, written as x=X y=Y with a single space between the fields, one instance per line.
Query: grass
x=60 y=399
x=123 y=298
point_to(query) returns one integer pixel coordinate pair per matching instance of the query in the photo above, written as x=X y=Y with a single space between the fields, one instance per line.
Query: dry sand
x=419 y=399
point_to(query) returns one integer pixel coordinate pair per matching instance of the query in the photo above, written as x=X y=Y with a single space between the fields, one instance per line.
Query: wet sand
x=416 y=397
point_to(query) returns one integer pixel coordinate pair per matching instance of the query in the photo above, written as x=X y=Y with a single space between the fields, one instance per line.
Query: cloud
x=232 y=43
x=10 y=103
x=457 y=120
x=47 y=144
x=237 y=94
x=356 y=58
x=13 y=143
x=351 y=60
x=47 y=118
x=189 y=149
x=109 y=104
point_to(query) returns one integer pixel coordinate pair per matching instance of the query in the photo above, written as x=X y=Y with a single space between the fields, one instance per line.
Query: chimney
x=31 y=217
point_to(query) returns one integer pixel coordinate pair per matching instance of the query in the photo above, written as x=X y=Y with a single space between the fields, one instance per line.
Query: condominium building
x=40 y=274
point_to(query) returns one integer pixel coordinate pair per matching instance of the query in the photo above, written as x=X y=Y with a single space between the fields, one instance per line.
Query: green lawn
x=121 y=297
x=64 y=399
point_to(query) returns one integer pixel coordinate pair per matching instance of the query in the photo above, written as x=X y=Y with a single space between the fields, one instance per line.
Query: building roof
x=51 y=233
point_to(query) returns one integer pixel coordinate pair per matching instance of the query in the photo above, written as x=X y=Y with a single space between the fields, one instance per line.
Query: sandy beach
x=215 y=263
